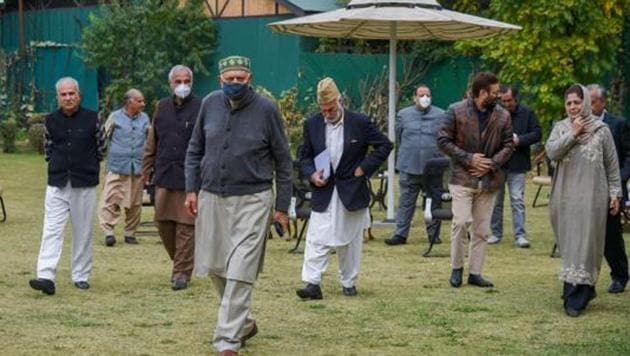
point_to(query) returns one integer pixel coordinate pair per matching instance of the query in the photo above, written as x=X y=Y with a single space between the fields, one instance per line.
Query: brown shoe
x=250 y=334
x=228 y=353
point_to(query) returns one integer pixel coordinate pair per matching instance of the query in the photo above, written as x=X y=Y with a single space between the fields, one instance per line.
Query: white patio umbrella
x=393 y=20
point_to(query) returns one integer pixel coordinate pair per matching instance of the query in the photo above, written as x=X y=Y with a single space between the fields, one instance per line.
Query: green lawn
x=405 y=305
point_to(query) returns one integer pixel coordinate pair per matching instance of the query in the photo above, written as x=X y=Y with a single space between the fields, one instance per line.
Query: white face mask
x=182 y=91
x=424 y=101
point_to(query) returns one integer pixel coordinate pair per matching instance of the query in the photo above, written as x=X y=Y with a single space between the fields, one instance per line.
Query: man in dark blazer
x=526 y=132
x=335 y=157
x=615 y=249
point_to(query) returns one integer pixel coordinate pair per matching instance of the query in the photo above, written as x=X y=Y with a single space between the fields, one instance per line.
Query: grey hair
x=130 y=94
x=178 y=68
x=67 y=79
x=598 y=89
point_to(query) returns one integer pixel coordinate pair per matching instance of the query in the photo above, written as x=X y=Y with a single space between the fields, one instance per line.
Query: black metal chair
x=147 y=227
x=300 y=209
x=4 y=211
x=380 y=194
x=436 y=176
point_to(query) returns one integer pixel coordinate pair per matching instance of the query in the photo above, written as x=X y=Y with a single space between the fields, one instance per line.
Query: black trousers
x=577 y=296
x=615 y=249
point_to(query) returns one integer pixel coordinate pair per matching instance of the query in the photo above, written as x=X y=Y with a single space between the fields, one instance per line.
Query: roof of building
x=310 y=6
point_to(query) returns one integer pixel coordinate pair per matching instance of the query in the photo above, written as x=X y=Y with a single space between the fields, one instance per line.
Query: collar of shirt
x=423 y=111
x=131 y=116
x=601 y=117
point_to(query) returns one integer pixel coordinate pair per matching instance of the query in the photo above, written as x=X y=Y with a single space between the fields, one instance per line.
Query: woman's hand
x=578 y=127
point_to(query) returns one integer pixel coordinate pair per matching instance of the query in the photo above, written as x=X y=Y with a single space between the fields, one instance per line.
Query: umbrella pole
x=391 y=123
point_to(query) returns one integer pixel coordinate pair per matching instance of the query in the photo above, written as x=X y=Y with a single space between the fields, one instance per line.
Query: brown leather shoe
x=228 y=353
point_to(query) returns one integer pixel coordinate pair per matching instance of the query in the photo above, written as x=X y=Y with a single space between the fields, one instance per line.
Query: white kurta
x=336 y=226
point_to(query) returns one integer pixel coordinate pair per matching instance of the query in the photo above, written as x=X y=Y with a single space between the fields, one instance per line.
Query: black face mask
x=235 y=91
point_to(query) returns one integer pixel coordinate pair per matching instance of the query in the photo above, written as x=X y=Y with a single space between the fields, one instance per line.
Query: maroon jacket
x=459 y=138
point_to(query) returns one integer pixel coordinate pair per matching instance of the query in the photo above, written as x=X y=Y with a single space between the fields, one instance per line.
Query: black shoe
x=436 y=240
x=396 y=240
x=110 y=240
x=616 y=287
x=179 y=284
x=45 y=285
x=249 y=335
x=82 y=285
x=131 y=240
x=456 y=277
x=350 y=292
x=477 y=280
x=574 y=313
x=310 y=291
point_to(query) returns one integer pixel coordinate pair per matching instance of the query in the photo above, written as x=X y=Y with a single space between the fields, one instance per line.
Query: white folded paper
x=322 y=163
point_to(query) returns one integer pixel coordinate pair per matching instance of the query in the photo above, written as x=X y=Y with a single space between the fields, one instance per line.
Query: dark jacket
x=239 y=151
x=460 y=138
x=74 y=146
x=621 y=134
x=165 y=149
x=358 y=134
x=525 y=126
x=416 y=132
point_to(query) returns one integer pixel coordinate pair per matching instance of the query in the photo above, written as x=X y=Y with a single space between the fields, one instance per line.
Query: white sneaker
x=522 y=242
x=493 y=240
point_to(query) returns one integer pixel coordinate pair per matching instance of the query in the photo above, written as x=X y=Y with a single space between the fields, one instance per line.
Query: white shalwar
x=335 y=228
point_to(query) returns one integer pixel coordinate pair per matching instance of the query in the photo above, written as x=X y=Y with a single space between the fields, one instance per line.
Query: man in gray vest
x=237 y=150
x=126 y=130
x=164 y=155
x=416 y=133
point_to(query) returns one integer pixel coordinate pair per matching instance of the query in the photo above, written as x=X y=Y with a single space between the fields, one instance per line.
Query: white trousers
x=80 y=205
x=316 y=261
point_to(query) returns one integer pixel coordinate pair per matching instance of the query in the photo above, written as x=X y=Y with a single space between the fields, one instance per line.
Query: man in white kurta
x=340 y=201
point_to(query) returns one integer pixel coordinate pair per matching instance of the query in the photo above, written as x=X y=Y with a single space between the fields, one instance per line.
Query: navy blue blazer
x=621 y=134
x=525 y=125
x=359 y=133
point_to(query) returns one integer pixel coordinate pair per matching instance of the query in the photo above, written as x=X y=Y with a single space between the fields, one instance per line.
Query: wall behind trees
x=279 y=61
x=447 y=79
x=51 y=37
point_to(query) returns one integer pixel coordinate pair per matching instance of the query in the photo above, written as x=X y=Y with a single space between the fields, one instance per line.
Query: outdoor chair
x=4 y=211
x=300 y=209
x=625 y=214
x=437 y=198
x=541 y=179
x=380 y=194
x=147 y=228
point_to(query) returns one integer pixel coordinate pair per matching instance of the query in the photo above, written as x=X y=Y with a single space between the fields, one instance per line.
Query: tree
x=562 y=42
x=137 y=42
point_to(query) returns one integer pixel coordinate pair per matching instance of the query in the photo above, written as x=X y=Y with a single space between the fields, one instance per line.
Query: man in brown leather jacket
x=477 y=136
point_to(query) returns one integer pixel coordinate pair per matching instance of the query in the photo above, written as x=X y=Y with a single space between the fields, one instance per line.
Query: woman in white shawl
x=585 y=185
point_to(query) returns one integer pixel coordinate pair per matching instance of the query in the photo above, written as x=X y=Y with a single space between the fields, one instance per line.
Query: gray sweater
x=237 y=151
